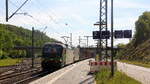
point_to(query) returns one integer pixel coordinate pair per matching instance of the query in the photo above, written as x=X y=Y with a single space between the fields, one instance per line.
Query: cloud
x=78 y=14
x=130 y=4
x=80 y=19
x=125 y=22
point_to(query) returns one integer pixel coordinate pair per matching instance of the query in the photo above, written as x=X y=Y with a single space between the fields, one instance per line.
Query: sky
x=62 y=17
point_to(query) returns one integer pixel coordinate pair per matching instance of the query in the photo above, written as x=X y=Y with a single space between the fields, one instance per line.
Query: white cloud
x=130 y=4
x=80 y=19
x=77 y=14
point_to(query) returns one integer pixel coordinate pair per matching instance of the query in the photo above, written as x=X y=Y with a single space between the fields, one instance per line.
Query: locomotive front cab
x=52 y=57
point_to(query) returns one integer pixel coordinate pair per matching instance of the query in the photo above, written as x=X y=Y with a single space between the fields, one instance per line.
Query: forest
x=12 y=36
x=139 y=47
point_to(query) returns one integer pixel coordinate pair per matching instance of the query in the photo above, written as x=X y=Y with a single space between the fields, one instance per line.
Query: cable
x=35 y=18
x=18 y=9
x=26 y=14
x=13 y=4
x=52 y=20
x=49 y=14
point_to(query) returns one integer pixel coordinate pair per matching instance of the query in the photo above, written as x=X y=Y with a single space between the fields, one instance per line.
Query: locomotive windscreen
x=52 y=50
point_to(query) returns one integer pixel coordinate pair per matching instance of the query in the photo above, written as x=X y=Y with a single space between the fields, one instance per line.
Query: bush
x=103 y=77
x=3 y=57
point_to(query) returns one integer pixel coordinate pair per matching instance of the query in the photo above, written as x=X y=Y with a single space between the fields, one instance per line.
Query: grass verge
x=103 y=77
x=147 y=65
x=8 y=62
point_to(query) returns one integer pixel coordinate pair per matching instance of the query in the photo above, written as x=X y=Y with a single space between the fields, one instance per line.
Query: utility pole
x=87 y=40
x=42 y=35
x=103 y=27
x=32 y=47
x=79 y=40
x=6 y=10
x=71 y=40
x=100 y=30
x=106 y=29
x=9 y=17
x=112 y=40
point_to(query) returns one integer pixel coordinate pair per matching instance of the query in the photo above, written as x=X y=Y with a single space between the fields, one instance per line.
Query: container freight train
x=57 y=55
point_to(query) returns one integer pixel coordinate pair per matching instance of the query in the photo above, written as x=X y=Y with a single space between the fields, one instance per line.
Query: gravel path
x=139 y=73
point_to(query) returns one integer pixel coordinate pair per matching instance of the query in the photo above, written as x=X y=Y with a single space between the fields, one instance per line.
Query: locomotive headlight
x=60 y=60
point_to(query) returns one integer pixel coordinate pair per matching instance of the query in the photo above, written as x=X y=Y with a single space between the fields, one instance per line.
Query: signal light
x=105 y=35
x=123 y=34
x=119 y=34
x=127 y=34
x=96 y=35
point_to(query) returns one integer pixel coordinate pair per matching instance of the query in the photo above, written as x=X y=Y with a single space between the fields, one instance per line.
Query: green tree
x=142 y=27
x=11 y=36
x=138 y=48
x=120 y=45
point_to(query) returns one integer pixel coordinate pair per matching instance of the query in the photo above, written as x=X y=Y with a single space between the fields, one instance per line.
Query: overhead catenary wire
x=39 y=8
x=13 y=4
x=16 y=6
x=51 y=18
x=25 y=13
x=18 y=9
x=38 y=21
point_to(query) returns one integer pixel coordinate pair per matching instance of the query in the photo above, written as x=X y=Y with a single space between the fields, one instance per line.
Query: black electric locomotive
x=57 y=55
x=53 y=56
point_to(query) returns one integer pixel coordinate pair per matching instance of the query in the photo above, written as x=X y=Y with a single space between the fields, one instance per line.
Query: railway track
x=20 y=71
x=29 y=79
x=25 y=64
x=18 y=76
x=4 y=69
x=15 y=68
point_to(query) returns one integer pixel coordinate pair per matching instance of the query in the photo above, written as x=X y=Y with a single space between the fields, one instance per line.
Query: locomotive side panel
x=76 y=54
x=69 y=56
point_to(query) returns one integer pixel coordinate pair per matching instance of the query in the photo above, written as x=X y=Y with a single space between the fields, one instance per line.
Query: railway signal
x=127 y=33
x=123 y=34
x=96 y=35
x=104 y=35
x=118 y=34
